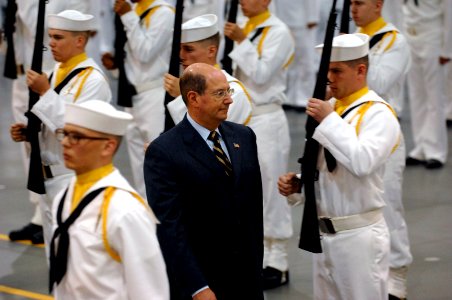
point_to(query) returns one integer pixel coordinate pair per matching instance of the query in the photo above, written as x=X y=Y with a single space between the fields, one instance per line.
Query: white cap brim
x=199 y=28
x=71 y=20
x=348 y=47
x=99 y=116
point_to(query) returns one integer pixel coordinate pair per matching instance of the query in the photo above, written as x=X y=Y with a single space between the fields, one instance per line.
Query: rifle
x=226 y=62
x=35 y=173
x=125 y=89
x=9 y=26
x=345 y=19
x=174 y=64
x=309 y=235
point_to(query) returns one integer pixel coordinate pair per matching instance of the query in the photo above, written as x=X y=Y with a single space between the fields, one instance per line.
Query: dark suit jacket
x=211 y=230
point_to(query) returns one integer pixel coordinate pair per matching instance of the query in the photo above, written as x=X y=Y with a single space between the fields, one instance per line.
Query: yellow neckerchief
x=65 y=68
x=342 y=104
x=373 y=27
x=255 y=21
x=141 y=7
x=86 y=181
x=109 y=191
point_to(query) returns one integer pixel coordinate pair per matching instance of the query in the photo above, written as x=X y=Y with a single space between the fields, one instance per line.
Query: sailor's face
x=62 y=44
x=365 y=12
x=341 y=77
x=251 y=8
x=194 y=52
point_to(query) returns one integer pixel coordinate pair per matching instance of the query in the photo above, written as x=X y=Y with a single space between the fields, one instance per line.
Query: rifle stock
x=9 y=26
x=35 y=173
x=174 y=64
x=345 y=19
x=310 y=235
x=226 y=62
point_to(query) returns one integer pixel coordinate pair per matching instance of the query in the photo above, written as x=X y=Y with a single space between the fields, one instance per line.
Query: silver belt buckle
x=326 y=225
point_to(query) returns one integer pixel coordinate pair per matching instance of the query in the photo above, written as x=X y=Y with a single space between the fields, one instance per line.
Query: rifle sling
x=376 y=38
x=66 y=80
x=257 y=33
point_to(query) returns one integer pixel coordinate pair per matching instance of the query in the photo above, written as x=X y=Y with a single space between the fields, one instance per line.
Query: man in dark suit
x=207 y=194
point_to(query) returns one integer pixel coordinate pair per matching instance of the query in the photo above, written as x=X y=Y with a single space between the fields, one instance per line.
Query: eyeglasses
x=221 y=94
x=74 y=138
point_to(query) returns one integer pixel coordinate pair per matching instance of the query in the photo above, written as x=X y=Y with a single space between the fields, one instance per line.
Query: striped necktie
x=219 y=153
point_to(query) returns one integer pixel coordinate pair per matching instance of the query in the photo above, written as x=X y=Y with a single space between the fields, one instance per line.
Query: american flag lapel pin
x=236 y=145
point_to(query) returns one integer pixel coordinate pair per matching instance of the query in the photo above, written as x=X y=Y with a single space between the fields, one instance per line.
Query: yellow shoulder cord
x=261 y=41
x=108 y=194
x=247 y=96
x=84 y=75
x=363 y=109
x=394 y=35
x=287 y=64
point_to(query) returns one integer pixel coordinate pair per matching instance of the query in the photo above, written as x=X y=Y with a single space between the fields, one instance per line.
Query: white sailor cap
x=199 y=28
x=348 y=47
x=99 y=116
x=71 y=20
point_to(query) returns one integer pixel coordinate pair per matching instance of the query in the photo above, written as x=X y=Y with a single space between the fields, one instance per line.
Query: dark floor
x=427 y=199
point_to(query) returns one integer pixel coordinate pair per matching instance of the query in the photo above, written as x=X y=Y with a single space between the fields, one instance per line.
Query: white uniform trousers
x=426 y=87
x=19 y=105
x=273 y=146
x=301 y=74
x=353 y=265
x=449 y=91
x=149 y=121
x=400 y=255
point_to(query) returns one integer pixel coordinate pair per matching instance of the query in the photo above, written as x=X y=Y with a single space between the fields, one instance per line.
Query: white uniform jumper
x=262 y=68
x=88 y=85
x=130 y=232
x=354 y=262
x=148 y=51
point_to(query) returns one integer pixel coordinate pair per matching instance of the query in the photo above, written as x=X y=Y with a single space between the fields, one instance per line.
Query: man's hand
x=38 y=83
x=108 y=61
x=17 y=132
x=318 y=109
x=171 y=85
x=289 y=184
x=234 y=32
x=206 y=294
x=122 y=7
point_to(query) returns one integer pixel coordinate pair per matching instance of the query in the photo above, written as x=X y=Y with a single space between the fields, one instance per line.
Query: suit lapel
x=198 y=148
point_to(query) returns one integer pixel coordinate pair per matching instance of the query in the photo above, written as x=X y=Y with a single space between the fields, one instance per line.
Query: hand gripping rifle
x=309 y=235
x=226 y=62
x=174 y=64
x=35 y=173
x=9 y=26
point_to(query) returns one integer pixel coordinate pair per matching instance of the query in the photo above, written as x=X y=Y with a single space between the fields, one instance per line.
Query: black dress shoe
x=411 y=161
x=274 y=278
x=392 y=297
x=26 y=233
x=433 y=164
x=38 y=238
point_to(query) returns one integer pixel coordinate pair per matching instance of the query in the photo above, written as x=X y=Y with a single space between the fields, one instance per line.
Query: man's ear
x=110 y=147
x=362 y=69
x=212 y=51
x=192 y=98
